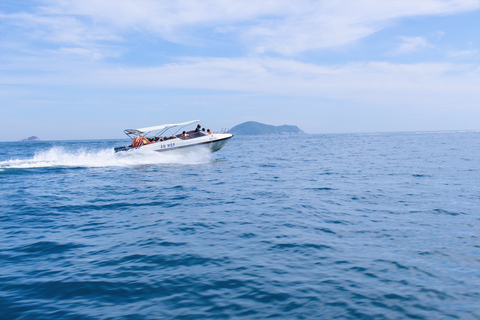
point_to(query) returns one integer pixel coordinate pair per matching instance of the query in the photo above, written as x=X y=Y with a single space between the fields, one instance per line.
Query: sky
x=90 y=69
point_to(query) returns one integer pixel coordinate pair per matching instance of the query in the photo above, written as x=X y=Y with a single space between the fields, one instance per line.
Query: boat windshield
x=190 y=135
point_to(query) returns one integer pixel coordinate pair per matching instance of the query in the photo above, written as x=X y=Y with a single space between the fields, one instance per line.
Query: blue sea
x=332 y=226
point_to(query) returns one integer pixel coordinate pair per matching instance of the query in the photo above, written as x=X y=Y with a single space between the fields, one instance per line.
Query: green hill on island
x=32 y=138
x=257 y=128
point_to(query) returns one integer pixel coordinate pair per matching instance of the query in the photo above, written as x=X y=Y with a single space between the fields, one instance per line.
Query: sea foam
x=61 y=157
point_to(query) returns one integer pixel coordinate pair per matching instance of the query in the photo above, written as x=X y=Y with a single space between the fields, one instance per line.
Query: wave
x=61 y=157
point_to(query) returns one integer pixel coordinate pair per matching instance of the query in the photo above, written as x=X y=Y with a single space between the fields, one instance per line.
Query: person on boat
x=198 y=128
x=137 y=142
x=208 y=131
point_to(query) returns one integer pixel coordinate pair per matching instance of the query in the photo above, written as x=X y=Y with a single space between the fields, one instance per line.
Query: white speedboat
x=166 y=137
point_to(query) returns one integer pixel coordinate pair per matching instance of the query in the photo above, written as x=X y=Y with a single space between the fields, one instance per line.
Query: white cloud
x=374 y=82
x=411 y=44
x=371 y=82
x=279 y=26
x=82 y=52
x=47 y=51
x=59 y=29
x=463 y=53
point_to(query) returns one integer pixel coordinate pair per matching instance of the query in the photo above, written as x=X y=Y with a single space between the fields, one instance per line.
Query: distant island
x=32 y=138
x=257 y=128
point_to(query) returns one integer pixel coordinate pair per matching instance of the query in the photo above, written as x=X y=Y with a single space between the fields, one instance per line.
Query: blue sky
x=89 y=69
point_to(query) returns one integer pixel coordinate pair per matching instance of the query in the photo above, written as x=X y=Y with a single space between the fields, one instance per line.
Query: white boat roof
x=161 y=127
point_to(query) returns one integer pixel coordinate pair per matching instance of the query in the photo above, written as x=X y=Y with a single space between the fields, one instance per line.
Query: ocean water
x=338 y=226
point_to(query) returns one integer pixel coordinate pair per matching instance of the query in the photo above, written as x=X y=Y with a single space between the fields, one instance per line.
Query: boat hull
x=214 y=142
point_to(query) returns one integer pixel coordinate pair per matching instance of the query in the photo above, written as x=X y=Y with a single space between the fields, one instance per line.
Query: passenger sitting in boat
x=137 y=142
x=198 y=128
x=208 y=131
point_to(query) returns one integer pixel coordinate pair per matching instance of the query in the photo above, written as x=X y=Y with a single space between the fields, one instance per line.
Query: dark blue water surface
x=347 y=226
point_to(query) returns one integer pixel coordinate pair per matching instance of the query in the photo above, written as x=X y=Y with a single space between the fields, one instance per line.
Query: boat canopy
x=158 y=128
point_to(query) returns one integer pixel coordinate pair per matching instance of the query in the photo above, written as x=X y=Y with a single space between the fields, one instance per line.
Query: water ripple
x=358 y=226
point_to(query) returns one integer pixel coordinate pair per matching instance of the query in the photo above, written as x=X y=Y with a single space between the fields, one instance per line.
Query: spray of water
x=60 y=157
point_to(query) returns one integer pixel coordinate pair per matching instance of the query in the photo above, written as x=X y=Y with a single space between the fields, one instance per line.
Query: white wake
x=60 y=157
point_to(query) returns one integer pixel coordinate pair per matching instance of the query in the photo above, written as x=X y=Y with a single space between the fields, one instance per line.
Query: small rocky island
x=257 y=128
x=32 y=138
